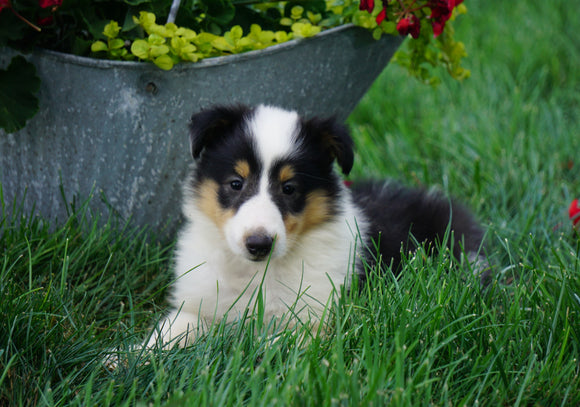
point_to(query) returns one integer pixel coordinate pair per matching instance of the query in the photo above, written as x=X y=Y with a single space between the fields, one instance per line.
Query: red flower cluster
x=49 y=3
x=408 y=22
x=441 y=11
x=410 y=25
x=574 y=212
x=367 y=5
x=44 y=4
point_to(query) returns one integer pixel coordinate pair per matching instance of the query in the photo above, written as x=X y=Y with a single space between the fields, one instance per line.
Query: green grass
x=506 y=141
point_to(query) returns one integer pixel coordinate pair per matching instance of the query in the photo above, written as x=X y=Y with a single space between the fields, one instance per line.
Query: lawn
x=506 y=141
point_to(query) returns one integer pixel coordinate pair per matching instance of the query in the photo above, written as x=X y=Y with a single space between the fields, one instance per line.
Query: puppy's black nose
x=259 y=245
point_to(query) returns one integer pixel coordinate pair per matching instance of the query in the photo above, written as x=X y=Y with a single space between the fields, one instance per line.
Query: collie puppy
x=268 y=214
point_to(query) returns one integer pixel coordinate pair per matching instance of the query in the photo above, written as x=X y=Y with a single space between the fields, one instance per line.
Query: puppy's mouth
x=259 y=245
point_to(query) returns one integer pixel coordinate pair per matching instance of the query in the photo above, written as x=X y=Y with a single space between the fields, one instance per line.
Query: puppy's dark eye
x=288 y=189
x=236 y=184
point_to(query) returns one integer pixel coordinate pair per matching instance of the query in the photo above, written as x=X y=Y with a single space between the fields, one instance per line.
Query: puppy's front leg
x=178 y=327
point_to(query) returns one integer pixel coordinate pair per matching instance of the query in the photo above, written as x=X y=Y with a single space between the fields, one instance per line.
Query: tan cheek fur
x=316 y=211
x=209 y=205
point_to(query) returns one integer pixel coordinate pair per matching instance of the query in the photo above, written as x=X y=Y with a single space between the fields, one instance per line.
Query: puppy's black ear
x=208 y=127
x=334 y=139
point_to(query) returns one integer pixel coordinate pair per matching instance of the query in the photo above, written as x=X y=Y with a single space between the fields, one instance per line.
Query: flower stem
x=24 y=20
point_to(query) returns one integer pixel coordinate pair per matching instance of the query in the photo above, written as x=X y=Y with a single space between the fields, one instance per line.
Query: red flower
x=382 y=15
x=45 y=21
x=49 y=3
x=4 y=4
x=441 y=11
x=574 y=212
x=410 y=25
x=367 y=5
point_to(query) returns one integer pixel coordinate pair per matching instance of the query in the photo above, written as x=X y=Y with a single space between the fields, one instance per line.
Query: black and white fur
x=265 y=206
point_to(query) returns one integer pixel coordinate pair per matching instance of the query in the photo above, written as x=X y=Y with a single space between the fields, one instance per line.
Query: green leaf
x=222 y=44
x=94 y=24
x=116 y=43
x=18 y=87
x=389 y=27
x=11 y=28
x=155 y=39
x=98 y=46
x=236 y=32
x=164 y=62
x=304 y=30
x=158 y=50
x=140 y=48
x=112 y=30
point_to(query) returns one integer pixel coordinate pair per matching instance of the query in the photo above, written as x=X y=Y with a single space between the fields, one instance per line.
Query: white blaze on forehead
x=274 y=130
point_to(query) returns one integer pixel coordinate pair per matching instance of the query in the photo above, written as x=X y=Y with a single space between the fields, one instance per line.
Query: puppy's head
x=264 y=176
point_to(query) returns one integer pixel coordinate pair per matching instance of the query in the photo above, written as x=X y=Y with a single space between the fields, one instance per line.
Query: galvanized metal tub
x=116 y=132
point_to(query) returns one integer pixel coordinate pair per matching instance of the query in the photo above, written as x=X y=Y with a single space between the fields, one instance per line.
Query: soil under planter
x=117 y=131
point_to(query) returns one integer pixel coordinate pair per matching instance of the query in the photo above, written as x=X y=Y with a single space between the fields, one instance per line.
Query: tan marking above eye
x=286 y=173
x=242 y=168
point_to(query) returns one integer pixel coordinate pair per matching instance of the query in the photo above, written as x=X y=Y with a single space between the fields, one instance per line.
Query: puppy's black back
x=401 y=217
